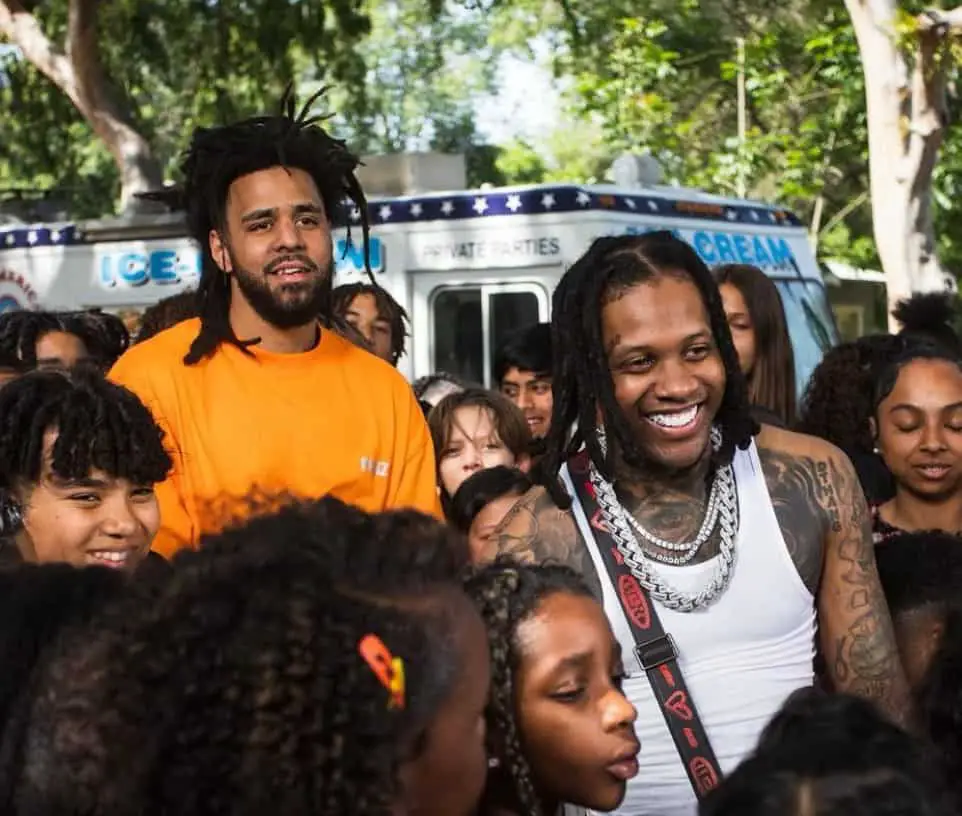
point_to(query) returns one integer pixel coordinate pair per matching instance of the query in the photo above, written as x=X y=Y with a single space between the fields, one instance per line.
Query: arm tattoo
x=537 y=531
x=797 y=487
x=862 y=653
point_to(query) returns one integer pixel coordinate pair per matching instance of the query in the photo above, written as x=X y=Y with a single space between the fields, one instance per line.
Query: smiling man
x=258 y=395
x=738 y=541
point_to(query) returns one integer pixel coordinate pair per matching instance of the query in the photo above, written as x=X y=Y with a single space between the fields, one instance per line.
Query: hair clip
x=388 y=669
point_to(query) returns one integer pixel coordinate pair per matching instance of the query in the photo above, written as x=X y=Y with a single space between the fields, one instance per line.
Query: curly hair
x=218 y=156
x=104 y=334
x=239 y=689
x=167 y=312
x=40 y=605
x=100 y=425
x=837 y=755
x=929 y=316
x=506 y=594
x=922 y=571
x=20 y=332
x=581 y=378
x=838 y=399
x=387 y=309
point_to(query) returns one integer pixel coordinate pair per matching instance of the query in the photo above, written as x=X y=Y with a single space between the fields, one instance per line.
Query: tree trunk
x=76 y=70
x=906 y=126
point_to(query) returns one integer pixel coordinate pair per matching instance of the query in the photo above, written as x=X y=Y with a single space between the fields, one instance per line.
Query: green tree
x=424 y=69
x=104 y=95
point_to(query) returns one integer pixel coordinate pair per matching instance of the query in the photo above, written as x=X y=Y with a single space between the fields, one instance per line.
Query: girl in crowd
x=756 y=318
x=262 y=679
x=481 y=503
x=79 y=458
x=472 y=430
x=838 y=406
x=560 y=731
x=377 y=317
x=917 y=427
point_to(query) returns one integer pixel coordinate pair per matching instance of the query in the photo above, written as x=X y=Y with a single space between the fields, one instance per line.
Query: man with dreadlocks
x=257 y=394
x=735 y=539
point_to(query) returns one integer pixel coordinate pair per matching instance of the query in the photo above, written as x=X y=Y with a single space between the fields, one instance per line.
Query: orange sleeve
x=415 y=484
x=177 y=527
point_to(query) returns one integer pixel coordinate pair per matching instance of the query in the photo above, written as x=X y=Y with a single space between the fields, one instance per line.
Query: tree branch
x=22 y=29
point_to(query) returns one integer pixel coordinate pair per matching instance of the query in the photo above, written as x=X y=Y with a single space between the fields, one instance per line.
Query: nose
x=472 y=458
x=617 y=711
x=675 y=381
x=120 y=521
x=933 y=438
x=287 y=236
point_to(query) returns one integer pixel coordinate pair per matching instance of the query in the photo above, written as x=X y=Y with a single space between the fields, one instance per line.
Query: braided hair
x=506 y=594
x=238 y=690
x=20 y=332
x=100 y=426
x=387 y=308
x=218 y=156
x=581 y=378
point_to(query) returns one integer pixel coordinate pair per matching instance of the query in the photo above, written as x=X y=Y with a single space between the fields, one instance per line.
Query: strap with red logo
x=654 y=647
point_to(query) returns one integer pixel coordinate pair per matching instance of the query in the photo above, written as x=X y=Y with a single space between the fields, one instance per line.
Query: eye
x=145 y=492
x=84 y=498
x=542 y=388
x=309 y=220
x=568 y=696
x=258 y=226
x=639 y=365
x=697 y=353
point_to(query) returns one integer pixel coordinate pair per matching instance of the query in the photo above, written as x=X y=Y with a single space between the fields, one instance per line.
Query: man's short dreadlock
x=218 y=156
x=581 y=378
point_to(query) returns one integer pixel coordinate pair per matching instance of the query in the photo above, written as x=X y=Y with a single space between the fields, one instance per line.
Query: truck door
x=467 y=322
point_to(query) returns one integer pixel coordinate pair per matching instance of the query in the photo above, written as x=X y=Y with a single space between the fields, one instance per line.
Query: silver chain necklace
x=639 y=561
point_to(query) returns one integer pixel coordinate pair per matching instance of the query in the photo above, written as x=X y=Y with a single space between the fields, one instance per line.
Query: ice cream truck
x=468 y=266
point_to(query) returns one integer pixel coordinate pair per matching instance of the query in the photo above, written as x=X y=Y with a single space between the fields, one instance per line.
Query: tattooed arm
x=856 y=628
x=535 y=531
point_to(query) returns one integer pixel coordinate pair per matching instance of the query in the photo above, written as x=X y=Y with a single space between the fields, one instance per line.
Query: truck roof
x=525 y=200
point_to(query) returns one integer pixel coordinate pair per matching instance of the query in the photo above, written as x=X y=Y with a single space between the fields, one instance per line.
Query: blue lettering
x=761 y=254
x=781 y=252
x=704 y=247
x=163 y=266
x=725 y=251
x=349 y=256
x=132 y=268
x=743 y=249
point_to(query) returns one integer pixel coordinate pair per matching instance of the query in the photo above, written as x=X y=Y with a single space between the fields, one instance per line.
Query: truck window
x=810 y=325
x=470 y=322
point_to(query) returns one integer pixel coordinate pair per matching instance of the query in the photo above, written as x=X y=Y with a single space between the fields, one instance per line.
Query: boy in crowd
x=522 y=371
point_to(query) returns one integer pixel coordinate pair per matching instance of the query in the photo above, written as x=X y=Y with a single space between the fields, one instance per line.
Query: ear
x=218 y=251
x=523 y=463
x=873 y=429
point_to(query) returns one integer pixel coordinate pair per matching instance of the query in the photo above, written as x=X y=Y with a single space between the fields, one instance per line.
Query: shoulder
x=164 y=350
x=778 y=447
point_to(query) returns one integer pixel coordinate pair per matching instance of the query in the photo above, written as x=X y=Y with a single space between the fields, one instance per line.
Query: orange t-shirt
x=333 y=420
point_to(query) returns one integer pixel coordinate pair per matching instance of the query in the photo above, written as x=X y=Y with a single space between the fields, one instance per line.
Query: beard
x=287 y=305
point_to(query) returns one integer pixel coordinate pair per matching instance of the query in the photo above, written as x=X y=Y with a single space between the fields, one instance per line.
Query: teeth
x=675 y=420
x=110 y=555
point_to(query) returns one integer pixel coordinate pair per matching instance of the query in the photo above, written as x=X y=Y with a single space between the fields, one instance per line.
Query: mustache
x=303 y=260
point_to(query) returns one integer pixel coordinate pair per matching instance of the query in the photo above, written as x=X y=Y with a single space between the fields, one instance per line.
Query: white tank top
x=741 y=657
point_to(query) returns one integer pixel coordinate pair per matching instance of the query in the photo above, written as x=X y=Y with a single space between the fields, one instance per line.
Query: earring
x=11 y=517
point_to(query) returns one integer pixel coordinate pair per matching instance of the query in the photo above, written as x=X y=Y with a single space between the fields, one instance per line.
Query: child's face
x=98 y=521
x=474 y=445
x=484 y=525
